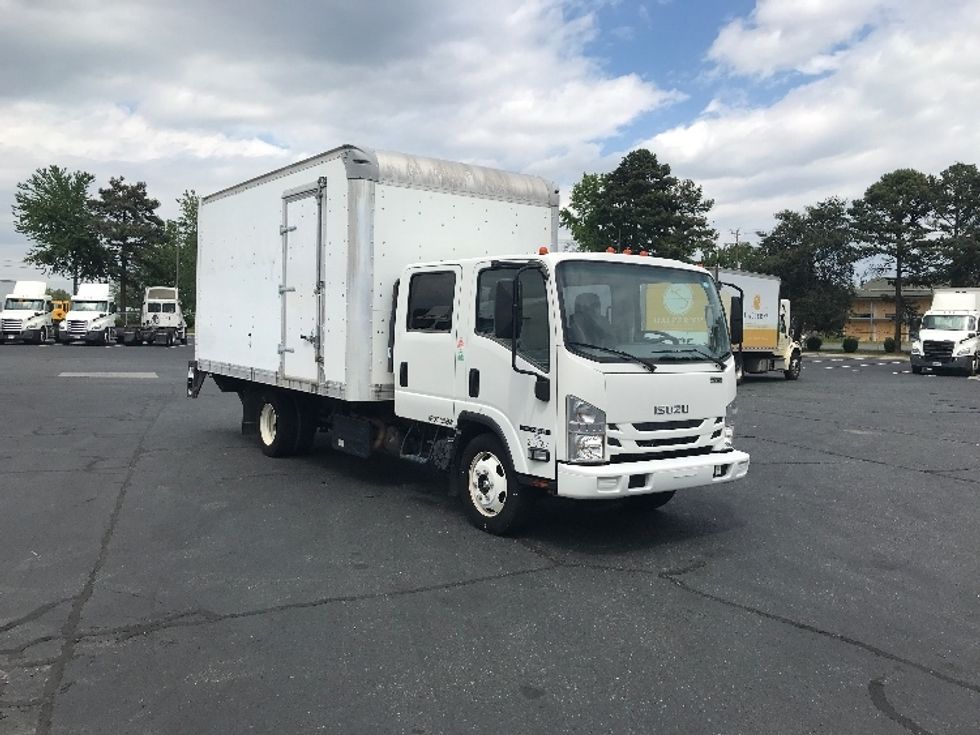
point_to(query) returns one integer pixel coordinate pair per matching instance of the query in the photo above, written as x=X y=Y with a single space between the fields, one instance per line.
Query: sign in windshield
x=640 y=312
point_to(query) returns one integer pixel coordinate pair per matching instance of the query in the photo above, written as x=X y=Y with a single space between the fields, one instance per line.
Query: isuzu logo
x=670 y=410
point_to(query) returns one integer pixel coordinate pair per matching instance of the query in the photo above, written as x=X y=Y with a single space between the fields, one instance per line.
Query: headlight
x=964 y=351
x=586 y=431
x=731 y=411
x=916 y=348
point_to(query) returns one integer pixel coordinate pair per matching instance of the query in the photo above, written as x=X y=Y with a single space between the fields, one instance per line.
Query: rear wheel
x=492 y=498
x=278 y=424
x=795 y=365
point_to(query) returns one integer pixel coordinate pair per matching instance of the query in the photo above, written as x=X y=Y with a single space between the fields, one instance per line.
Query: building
x=872 y=316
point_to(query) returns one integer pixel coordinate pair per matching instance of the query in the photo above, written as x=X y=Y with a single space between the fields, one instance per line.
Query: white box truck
x=26 y=315
x=403 y=305
x=766 y=344
x=947 y=338
x=161 y=320
x=91 y=317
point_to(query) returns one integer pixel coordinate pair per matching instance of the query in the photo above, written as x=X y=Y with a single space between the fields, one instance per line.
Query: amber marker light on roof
x=543 y=250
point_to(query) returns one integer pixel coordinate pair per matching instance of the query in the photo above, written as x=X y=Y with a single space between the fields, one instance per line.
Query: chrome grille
x=12 y=325
x=77 y=326
x=659 y=438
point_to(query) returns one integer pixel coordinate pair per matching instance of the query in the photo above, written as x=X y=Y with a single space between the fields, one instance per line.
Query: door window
x=486 y=292
x=430 y=302
x=534 y=340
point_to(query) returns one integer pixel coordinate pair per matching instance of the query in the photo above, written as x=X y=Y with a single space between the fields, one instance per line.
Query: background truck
x=767 y=343
x=161 y=320
x=91 y=317
x=378 y=298
x=59 y=308
x=26 y=315
x=947 y=338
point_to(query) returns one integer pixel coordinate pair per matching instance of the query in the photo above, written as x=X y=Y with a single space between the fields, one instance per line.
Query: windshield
x=951 y=322
x=13 y=304
x=646 y=312
x=89 y=306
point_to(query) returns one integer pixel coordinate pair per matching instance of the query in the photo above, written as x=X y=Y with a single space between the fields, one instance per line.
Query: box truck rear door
x=301 y=228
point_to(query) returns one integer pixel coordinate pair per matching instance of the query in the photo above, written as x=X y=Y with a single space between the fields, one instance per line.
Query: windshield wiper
x=700 y=353
x=632 y=358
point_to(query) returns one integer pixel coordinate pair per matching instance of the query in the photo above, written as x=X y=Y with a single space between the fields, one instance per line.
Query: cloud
x=204 y=94
x=905 y=94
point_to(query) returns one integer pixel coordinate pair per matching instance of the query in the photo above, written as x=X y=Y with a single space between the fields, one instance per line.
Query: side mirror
x=735 y=319
x=971 y=335
x=503 y=310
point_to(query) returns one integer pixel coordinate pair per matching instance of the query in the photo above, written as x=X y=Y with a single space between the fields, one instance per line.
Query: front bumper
x=597 y=482
x=943 y=363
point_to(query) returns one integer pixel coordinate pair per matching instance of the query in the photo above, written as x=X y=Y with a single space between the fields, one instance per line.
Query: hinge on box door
x=283 y=348
x=286 y=289
x=318 y=289
x=283 y=229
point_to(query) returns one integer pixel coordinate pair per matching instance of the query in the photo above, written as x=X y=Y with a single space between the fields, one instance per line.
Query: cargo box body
x=297 y=268
x=760 y=309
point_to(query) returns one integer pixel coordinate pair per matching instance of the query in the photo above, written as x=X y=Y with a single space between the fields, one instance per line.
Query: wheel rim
x=488 y=484
x=268 y=423
x=794 y=366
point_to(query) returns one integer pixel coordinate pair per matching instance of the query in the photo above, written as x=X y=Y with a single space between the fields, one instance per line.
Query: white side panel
x=240 y=269
x=417 y=226
x=760 y=309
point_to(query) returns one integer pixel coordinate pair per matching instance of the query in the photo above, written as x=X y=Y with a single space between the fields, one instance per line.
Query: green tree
x=639 y=205
x=129 y=227
x=813 y=254
x=956 y=217
x=891 y=221
x=174 y=261
x=58 y=294
x=54 y=210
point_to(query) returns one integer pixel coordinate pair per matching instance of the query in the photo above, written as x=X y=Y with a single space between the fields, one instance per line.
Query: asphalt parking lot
x=158 y=574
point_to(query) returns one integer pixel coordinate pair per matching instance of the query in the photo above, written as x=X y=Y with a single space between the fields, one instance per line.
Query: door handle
x=403 y=375
x=474 y=383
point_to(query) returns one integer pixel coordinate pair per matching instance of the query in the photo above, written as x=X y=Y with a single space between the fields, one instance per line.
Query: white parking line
x=137 y=376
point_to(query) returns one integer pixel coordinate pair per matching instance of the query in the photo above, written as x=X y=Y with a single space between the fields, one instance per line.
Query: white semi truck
x=767 y=343
x=161 y=320
x=91 y=317
x=402 y=305
x=26 y=315
x=947 y=338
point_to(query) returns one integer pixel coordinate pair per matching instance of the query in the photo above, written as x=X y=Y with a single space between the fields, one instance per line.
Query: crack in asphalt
x=880 y=462
x=69 y=631
x=34 y=614
x=876 y=690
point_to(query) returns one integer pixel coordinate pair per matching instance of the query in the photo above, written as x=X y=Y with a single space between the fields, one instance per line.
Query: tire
x=916 y=370
x=105 y=337
x=278 y=424
x=795 y=365
x=42 y=336
x=170 y=339
x=492 y=498
x=973 y=368
x=306 y=426
x=650 y=501
x=183 y=337
x=739 y=370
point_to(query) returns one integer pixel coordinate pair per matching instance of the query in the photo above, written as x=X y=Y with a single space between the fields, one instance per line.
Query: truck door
x=488 y=385
x=425 y=344
x=299 y=346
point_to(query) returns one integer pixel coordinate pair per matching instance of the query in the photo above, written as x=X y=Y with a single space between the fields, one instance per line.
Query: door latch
x=286 y=289
x=311 y=338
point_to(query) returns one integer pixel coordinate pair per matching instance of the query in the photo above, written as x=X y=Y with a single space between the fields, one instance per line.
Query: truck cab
x=591 y=376
x=91 y=317
x=26 y=315
x=161 y=320
x=947 y=338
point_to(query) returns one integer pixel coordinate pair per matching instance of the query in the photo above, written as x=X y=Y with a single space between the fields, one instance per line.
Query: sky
x=768 y=105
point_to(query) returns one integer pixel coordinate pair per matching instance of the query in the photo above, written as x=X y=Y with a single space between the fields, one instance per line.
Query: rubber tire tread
x=517 y=508
x=287 y=424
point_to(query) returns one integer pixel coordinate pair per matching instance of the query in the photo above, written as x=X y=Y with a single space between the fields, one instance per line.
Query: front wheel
x=492 y=498
x=795 y=365
x=278 y=424
x=916 y=370
x=42 y=336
